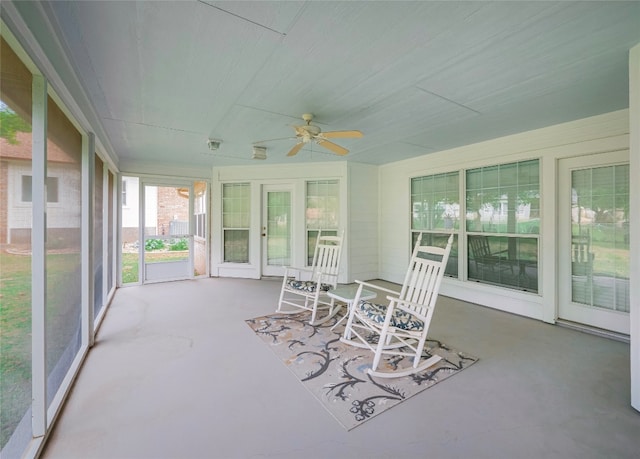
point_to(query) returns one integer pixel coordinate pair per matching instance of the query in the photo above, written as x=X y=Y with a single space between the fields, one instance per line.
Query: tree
x=10 y=124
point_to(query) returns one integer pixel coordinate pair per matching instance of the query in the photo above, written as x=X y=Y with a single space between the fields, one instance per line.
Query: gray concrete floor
x=176 y=373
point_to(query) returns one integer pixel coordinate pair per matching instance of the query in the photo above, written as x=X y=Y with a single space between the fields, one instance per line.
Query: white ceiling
x=414 y=77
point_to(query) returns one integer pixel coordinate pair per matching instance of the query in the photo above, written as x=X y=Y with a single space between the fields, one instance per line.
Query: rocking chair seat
x=398 y=330
x=400 y=319
x=307 y=286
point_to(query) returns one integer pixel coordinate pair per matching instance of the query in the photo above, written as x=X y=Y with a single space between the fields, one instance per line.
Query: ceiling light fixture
x=259 y=153
x=213 y=144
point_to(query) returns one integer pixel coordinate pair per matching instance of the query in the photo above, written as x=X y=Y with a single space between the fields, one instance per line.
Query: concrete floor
x=176 y=373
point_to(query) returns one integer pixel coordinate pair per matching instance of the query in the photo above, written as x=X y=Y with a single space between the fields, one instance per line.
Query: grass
x=63 y=315
x=129 y=268
x=15 y=341
x=610 y=261
x=130 y=265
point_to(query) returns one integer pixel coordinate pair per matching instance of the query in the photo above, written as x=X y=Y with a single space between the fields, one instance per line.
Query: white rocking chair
x=400 y=328
x=306 y=288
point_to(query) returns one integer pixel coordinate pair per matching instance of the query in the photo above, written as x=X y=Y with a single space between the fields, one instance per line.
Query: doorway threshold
x=594 y=330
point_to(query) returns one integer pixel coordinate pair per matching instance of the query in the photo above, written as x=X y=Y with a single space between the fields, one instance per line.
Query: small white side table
x=347 y=293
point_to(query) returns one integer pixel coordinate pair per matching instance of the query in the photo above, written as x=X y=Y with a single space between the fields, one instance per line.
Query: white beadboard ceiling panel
x=415 y=77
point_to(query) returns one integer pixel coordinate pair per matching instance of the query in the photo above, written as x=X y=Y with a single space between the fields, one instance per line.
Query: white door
x=276 y=229
x=594 y=241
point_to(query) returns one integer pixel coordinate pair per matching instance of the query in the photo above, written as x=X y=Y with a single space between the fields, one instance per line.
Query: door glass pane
x=130 y=227
x=600 y=237
x=200 y=231
x=15 y=258
x=111 y=221
x=98 y=262
x=63 y=245
x=167 y=239
x=278 y=228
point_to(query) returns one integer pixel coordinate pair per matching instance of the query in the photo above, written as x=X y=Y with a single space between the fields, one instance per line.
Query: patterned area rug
x=336 y=373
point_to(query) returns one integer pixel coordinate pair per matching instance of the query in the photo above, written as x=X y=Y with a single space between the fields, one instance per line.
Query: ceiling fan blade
x=300 y=131
x=273 y=140
x=296 y=148
x=341 y=134
x=337 y=149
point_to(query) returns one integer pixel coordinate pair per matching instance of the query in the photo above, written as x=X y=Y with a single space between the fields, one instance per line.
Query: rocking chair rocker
x=400 y=328
x=321 y=276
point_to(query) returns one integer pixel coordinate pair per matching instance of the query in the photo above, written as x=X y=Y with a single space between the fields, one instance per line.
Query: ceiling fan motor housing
x=312 y=130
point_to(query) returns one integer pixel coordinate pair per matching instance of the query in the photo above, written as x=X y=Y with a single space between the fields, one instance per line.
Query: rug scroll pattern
x=336 y=373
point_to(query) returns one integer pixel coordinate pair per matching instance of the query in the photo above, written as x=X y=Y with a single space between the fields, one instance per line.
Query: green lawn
x=15 y=326
x=129 y=268
x=15 y=341
x=130 y=262
x=609 y=261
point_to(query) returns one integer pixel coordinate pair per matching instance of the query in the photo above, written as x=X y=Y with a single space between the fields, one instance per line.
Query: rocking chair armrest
x=377 y=287
x=326 y=275
x=398 y=303
x=295 y=268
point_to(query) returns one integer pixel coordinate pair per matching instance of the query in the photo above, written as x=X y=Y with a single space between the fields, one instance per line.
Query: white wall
x=289 y=175
x=60 y=214
x=131 y=212
x=376 y=214
x=597 y=134
x=363 y=222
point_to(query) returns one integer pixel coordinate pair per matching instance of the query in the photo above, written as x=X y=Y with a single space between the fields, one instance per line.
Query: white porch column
x=634 y=219
x=39 y=371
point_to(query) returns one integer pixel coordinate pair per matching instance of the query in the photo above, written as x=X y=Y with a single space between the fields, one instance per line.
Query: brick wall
x=171 y=206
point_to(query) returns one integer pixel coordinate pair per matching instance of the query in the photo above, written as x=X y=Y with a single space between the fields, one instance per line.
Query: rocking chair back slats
x=421 y=279
x=327 y=257
x=322 y=275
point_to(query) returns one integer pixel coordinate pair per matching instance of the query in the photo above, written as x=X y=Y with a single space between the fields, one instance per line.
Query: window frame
x=53 y=189
x=517 y=272
x=452 y=269
x=311 y=232
x=246 y=213
x=463 y=232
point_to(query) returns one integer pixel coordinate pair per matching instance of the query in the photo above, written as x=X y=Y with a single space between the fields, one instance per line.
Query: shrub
x=153 y=244
x=180 y=244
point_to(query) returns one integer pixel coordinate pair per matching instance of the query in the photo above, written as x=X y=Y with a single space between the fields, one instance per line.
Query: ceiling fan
x=312 y=133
